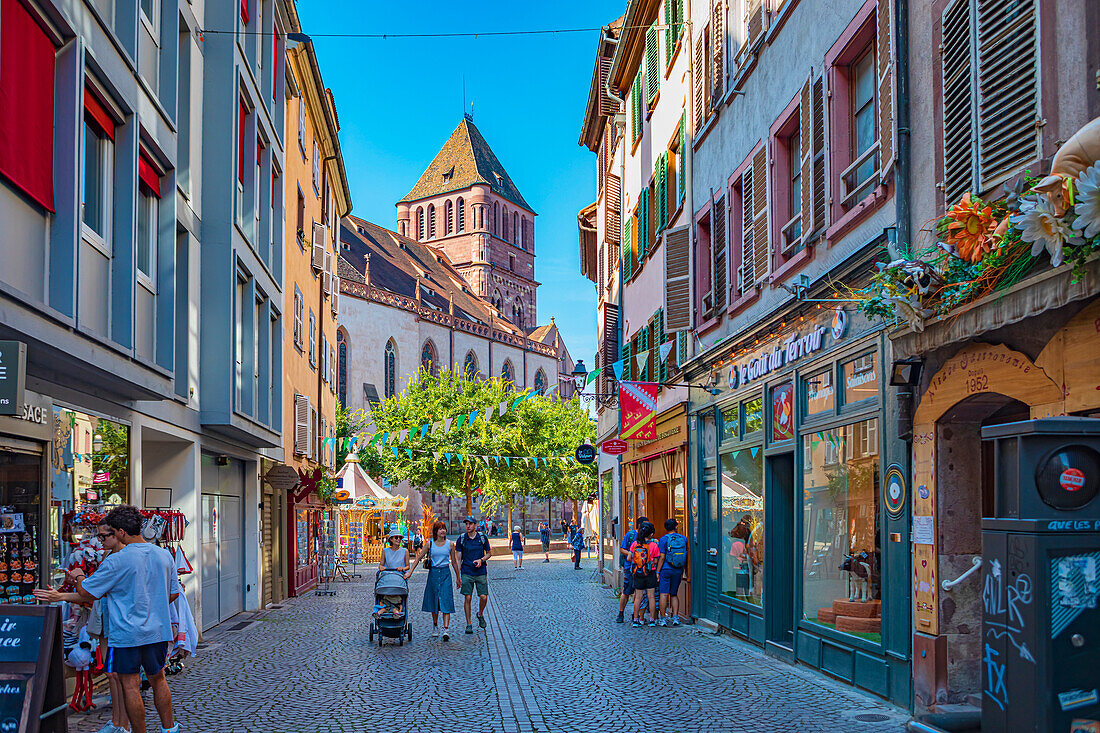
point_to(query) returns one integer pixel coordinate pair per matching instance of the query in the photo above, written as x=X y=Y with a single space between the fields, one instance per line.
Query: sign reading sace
x=13 y=372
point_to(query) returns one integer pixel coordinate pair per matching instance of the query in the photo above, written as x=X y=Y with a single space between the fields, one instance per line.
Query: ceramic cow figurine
x=860 y=568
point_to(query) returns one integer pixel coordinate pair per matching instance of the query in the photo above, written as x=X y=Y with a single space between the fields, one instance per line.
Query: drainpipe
x=901 y=166
x=622 y=284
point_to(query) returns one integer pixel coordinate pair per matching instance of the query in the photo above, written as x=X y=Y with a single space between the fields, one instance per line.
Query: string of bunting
x=462 y=458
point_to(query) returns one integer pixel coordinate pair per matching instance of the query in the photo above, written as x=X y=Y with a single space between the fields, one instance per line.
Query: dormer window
x=449 y=174
x=500 y=178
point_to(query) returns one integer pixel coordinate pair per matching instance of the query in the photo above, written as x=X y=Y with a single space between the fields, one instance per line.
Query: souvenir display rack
x=327 y=559
x=18 y=565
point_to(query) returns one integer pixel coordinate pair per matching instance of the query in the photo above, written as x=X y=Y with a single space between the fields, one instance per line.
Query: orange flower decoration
x=970 y=228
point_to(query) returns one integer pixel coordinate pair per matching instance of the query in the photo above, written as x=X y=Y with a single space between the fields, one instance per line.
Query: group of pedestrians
x=135 y=586
x=652 y=572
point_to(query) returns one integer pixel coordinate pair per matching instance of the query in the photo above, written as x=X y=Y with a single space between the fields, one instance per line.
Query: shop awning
x=1038 y=294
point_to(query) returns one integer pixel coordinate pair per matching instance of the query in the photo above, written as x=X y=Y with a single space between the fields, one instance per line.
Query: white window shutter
x=678 y=285
x=319 y=249
x=301 y=424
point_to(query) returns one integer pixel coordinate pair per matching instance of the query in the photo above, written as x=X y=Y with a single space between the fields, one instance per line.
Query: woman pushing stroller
x=438 y=595
x=395 y=557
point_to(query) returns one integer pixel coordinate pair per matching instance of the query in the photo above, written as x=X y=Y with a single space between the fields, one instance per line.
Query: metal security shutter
x=678 y=279
x=1008 y=88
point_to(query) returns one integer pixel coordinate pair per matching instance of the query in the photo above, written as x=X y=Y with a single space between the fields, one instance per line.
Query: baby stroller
x=391 y=595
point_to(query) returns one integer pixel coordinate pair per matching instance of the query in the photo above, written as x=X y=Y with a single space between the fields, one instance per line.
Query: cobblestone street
x=552 y=659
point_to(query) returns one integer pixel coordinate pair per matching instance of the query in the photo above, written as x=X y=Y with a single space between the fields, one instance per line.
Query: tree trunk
x=576 y=514
x=509 y=528
x=469 y=496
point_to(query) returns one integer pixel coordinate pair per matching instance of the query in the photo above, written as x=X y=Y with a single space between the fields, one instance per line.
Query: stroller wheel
x=400 y=641
x=409 y=632
x=379 y=640
x=372 y=632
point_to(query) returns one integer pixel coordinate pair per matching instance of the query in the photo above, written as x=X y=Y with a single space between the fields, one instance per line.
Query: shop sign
x=614 y=447
x=585 y=454
x=795 y=347
x=282 y=477
x=13 y=374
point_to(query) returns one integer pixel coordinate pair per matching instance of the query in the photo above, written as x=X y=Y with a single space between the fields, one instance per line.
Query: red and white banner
x=638 y=410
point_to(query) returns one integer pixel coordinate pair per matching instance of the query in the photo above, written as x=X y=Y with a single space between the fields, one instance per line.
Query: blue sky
x=399 y=99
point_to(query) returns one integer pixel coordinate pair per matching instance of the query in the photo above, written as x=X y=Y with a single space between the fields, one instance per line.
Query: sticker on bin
x=1073 y=699
x=1072 y=479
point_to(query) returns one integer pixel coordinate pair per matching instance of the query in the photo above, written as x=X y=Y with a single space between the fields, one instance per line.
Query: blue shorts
x=132 y=659
x=669 y=581
x=628 y=582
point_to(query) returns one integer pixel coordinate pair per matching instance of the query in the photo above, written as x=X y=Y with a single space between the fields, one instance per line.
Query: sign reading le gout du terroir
x=13 y=369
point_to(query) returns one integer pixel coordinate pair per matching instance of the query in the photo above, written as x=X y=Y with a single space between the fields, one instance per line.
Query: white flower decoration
x=1039 y=225
x=1088 y=202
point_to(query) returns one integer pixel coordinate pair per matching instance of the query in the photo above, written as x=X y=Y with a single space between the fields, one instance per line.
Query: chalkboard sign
x=32 y=683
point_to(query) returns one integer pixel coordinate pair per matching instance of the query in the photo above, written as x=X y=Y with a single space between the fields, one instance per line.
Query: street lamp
x=580 y=373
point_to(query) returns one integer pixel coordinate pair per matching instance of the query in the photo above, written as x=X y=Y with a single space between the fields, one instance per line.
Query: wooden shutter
x=652 y=74
x=662 y=192
x=748 y=262
x=957 y=100
x=699 y=75
x=1008 y=88
x=718 y=247
x=683 y=157
x=613 y=209
x=610 y=346
x=718 y=55
x=301 y=424
x=820 y=179
x=608 y=106
x=678 y=278
x=628 y=361
x=670 y=34
x=707 y=68
x=636 y=106
x=754 y=23
x=643 y=225
x=658 y=342
x=760 y=246
x=805 y=149
x=884 y=46
x=646 y=374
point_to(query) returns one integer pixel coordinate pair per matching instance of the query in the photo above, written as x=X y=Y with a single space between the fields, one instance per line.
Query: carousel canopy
x=365 y=493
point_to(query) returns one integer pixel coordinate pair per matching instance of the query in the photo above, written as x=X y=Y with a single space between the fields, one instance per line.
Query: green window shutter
x=626 y=361
x=683 y=154
x=662 y=192
x=662 y=366
x=670 y=34
x=636 y=105
x=652 y=75
x=678 y=22
x=628 y=249
x=643 y=346
x=643 y=226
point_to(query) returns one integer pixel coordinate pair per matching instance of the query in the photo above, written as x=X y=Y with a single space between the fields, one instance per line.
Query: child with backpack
x=670 y=571
x=644 y=555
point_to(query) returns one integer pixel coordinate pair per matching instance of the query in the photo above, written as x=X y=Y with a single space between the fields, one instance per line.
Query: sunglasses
x=105 y=536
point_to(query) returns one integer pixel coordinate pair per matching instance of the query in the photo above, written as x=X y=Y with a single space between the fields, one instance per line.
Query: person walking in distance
x=577 y=541
x=670 y=571
x=628 y=568
x=436 y=554
x=517 y=548
x=544 y=538
x=644 y=555
x=474 y=576
x=139 y=583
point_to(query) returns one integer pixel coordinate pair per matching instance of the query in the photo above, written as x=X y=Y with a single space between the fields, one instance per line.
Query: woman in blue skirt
x=439 y=593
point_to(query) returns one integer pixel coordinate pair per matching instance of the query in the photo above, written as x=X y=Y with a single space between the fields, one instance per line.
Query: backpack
x=578 y=540
x=465 y=539
x=639 y=557
x=676 y=552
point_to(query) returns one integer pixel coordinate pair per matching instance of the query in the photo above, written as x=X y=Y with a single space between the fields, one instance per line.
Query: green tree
x=350 y=423
x=535 y=426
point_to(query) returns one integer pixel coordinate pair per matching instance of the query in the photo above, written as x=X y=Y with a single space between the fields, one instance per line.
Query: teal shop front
x=798 y=546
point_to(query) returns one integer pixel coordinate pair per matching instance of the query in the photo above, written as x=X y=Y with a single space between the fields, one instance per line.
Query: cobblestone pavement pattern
x=552 y=660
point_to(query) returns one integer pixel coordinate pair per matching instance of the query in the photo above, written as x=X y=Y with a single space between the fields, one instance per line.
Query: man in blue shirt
x=670 y=571
x=544 y=537
x=474 y=548
x=628 y=567
x=138 y=583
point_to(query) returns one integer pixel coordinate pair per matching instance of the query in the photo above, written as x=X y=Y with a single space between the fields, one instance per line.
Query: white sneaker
x=435 y=632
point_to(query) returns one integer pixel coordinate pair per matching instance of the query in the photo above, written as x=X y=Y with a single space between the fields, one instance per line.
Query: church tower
x=466 y=205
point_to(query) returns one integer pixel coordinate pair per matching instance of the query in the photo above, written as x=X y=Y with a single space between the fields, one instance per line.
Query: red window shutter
x=240 y=142
x=273 y=179
x=244 y=11
x=275 y=67
x=259 y=151
x=148 y=174
x=26 y=104
x=95 y=109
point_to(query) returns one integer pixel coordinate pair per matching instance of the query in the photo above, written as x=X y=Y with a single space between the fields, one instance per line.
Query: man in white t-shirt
x=138 y=584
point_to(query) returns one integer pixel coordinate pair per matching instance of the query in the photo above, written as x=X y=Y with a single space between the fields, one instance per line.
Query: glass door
x=21 y=473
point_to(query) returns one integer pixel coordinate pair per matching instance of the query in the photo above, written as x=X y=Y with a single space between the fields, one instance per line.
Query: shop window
x=860 y=377
x=783 y=412
x=841 y=558
x=820 y=392
x=753 y=412
x=731 y=426
x=742 y=524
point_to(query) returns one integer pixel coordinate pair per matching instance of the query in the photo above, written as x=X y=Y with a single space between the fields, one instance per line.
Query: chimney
x=366 y=268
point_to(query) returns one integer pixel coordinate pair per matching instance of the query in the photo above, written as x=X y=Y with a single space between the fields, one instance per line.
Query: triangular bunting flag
x=437 y=425
x=473 y=417
x=409 y=451
x=527 y=461
x=642 y=359
x=497 y=459
x=385 y=438
x=617 y=369
x=458 y=422
x=435 y=454
x=754 y=450
x=447 y=426
x=404 y=435
x=665 y=349
x=502 y=408
x=507 y=461
x=460 y=459
x=592 y=376
x=447 y=457
x=395 y=450
x=424 y=430
x=486 y=459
